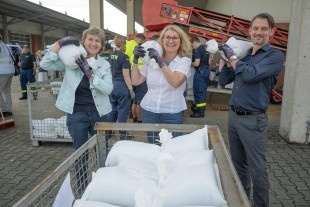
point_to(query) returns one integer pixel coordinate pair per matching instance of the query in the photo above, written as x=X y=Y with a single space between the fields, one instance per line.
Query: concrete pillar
x=5 y=35
x=296 y=98
x=42 y=36
x=130 y=8
x=96 y=13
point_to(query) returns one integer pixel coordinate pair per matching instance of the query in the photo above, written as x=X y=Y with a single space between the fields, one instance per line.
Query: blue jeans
x=81 y=126
x=161 y=118
x=248 y=145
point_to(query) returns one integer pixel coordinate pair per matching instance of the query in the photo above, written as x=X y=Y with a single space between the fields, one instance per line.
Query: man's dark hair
x=155 y=37
x=194 y=39
x=267 y=16
x=0 y=37
x=140 y=36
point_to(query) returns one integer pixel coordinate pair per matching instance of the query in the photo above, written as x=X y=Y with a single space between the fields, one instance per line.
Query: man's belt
x=244 y=113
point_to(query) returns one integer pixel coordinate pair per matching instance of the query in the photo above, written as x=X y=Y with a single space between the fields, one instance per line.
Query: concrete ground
x=23 y=166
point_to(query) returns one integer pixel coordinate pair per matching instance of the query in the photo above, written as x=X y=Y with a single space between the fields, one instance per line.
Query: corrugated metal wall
x=246 y=9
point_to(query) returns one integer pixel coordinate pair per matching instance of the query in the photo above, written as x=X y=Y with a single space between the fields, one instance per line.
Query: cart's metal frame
x=231 y=185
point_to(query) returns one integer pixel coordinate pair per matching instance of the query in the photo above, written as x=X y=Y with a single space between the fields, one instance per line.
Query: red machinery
x=198 y=22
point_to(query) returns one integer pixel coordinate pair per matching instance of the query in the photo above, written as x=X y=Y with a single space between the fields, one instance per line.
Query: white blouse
x=161 y=97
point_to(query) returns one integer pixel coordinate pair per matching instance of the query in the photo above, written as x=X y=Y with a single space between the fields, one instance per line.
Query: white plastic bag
x=212 y=46
x=151 y=44
x=69 y=53
x=240 y=47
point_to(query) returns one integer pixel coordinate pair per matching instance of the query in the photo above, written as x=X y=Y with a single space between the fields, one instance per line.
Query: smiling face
x=171 y=42
x=260 y=32
x=92 y=45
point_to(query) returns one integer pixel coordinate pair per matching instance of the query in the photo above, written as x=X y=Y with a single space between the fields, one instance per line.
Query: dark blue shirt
x=255 y=76
x=118 y=61
x=27 y=60
x=202 y=54
x=84 y=101
x=106 y=56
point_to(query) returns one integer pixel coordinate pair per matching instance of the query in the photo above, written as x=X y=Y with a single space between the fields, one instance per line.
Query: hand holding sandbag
x=68 y=41
x=83 y=64
x=227 y=52
x=154 y=54
x=138 y=52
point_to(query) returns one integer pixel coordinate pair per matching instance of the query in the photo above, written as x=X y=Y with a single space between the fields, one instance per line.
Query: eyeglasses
x=174 y=38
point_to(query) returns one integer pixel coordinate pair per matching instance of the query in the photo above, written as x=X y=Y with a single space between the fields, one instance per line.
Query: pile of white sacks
x=180 y=172
x=51 y=128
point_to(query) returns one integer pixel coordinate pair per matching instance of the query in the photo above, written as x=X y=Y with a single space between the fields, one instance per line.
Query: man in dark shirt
x=27 y=64
x=254 y=77
x=201 y=77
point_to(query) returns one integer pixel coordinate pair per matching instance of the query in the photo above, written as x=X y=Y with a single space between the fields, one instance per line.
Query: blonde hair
x=94 y=31
x=120 y=42
x=185 y=48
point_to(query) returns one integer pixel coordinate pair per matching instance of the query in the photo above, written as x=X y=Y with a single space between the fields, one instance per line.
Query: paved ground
x=23 y=166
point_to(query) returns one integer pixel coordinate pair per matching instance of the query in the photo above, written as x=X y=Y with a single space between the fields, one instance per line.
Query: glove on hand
x=83 y=64
x=227 y=51
x=154 y=54
x=132 y=94
x=68 y=41
x=138 y=52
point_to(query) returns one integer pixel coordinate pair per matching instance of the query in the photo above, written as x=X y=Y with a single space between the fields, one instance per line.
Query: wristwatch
x=234 y=57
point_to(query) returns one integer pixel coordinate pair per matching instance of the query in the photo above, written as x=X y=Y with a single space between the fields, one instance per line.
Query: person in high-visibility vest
x=141 y=89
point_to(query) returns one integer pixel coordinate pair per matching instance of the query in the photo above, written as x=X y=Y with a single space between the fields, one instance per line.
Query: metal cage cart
x=46 y=122
x=92 y=155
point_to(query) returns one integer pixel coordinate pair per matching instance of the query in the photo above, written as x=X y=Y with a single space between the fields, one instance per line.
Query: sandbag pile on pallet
x=180 y=172
x=51 y=128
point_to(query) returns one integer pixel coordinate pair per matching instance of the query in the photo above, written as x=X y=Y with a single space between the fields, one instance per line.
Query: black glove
x=227 y=51
x=68 y=41
x=138 y=52
x=154 y=54
x=83 y=64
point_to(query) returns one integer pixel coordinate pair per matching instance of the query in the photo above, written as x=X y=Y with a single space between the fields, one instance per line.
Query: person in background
x=107 y=52
x=122 y=93
x=201 y=77
x=27 y=64
x=164 y=101
x=6 y=75
x=254 y=77
x=42 y=74
x=84 y=94
x=130 y=46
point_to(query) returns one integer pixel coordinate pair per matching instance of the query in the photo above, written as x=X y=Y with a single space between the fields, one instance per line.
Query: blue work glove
x=138 y=52
x=154 y=54
x=85 y=68
x=132 y=94
x=68 y=41
x=227 y=52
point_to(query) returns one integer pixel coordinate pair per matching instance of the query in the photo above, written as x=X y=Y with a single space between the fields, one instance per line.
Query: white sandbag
x=193 y=158
x=212 y=46
x=41 y=134
x=69 y=53
x=149 y=197
x=116 y=185
x=65 y=195
x=62 y=121
x=197 y=140
x=81 y=203
x=240 y=47
x=151 y=44
x=62 y=132
x=138 y=150
x=193 y=186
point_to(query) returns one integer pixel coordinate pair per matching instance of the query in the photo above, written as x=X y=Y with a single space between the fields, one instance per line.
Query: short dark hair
x=194 y=39
x=267 y=16
x=155 y=37
x=140 y=36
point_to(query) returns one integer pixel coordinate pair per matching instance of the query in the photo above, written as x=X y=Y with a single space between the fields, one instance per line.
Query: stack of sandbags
x=44 y=128
x=180 y=172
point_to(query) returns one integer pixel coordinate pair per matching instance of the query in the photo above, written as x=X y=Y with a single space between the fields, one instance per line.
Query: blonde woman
x=164 y=101
x=122 y=93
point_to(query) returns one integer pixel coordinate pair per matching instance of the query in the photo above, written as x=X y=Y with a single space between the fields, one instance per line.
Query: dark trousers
x=247 y=139
x=26 y=76
x=201 y=81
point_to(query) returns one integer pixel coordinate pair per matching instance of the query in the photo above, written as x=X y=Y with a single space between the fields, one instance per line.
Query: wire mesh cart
x=46 y=122
x=92 y=155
